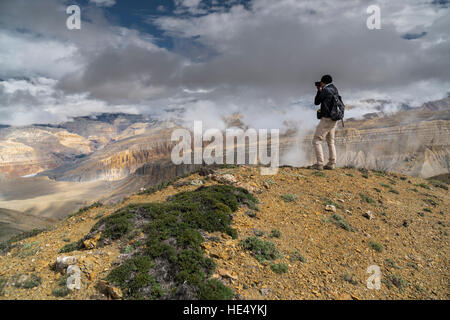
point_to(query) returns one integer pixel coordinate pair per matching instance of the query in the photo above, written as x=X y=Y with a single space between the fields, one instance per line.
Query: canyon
x=49 y=171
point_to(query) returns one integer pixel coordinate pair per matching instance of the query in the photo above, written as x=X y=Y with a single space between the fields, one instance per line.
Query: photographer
x=326 y=127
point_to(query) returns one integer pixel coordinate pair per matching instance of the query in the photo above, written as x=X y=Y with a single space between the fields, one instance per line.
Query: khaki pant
x=325 y=129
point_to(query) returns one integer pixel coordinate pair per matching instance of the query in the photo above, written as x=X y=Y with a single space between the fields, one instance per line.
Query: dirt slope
x=326 y=253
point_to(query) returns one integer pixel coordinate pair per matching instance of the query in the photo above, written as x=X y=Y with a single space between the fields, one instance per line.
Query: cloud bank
x=259 y=58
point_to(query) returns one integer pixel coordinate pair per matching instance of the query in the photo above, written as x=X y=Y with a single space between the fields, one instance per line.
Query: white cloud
x=253 y=59
x=23 y=54
x=104 y=3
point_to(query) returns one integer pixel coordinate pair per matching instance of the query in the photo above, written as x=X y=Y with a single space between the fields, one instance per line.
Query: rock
x=74 y=281
x=108 y=290
x=226 y=178
x=115 y=293
x=91 y=243
x=330 y=207
x=92 y=276
x=348 y=212
x=251 y=214
x=196 y=182
x=265 y=291
x=227 y=274
x=205 y=172
x=181 y=184
x=258 y=233
x=341 y=200
x=63 y=262
x=368 y=215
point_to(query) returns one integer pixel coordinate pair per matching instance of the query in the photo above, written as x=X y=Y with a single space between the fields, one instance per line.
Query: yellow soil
x=419 y=249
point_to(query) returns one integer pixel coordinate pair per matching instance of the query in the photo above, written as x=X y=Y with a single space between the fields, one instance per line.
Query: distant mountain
x=112 y=146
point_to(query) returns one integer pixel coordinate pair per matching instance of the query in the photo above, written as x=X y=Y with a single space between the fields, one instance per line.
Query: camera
x=317 y=84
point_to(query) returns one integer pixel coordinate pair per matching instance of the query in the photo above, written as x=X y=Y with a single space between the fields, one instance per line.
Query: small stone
x=63 y=262
x=330 y=207
x=91 y=243
x=265 y=291
x=226 y=178
x=227 y=274
x=251 y=214
x=368 y=215
x=91 y=276
x=108 y=290
x=196 y=182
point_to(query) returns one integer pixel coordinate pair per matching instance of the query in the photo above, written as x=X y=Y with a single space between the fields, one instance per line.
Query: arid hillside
x=299 y=234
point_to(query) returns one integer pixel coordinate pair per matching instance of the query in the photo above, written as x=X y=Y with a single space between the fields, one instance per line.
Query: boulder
x=62 y=262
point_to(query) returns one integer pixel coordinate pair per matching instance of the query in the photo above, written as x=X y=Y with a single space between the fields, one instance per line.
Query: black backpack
x=338 y=108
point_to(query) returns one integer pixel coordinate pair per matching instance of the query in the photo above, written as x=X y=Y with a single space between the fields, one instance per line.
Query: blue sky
x=137 y=14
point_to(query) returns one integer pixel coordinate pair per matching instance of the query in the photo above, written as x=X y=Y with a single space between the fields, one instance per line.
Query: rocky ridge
x=322 y=229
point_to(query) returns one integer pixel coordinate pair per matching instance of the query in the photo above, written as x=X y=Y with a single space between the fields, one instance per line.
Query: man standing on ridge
x=326 y=91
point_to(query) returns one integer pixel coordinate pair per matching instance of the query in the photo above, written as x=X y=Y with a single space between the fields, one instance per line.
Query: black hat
x=326 y=79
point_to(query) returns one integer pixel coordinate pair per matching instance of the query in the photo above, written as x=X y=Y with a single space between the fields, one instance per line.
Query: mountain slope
x=321 y=254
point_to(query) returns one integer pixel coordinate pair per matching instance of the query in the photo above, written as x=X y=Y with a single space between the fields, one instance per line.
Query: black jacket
x=324 y=98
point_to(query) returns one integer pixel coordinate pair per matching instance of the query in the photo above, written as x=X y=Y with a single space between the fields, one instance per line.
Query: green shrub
x=214 y=290
x=296 y=256
x=61 y=292
x=32 y=281
x=71 y=247
x=116 y=225
x=391 y=263
x=84 y=209
x=61 y=289
x=275 y=233
x=194 y=267
x=350 y=279
x=438 y=184
x=397 y=281
x=3 y=282
x=319 y=174
x=367 y=199
x=376 y=246
x=289 y=197
x=261 y=250
x=133 y=278
x=431 y=202
x=7 y=245
x=341 y=222
x=392 y=181
x=279 y=268
x=173 y=242
x=380 y=173
x=330 y=202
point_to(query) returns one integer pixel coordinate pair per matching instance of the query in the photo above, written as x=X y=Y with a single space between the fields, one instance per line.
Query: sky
x=205 y=59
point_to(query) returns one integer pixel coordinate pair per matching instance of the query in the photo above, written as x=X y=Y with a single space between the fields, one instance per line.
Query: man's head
x=326 y=79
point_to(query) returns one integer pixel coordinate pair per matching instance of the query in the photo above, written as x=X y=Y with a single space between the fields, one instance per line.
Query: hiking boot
x=316 y=167
x=329 y=166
